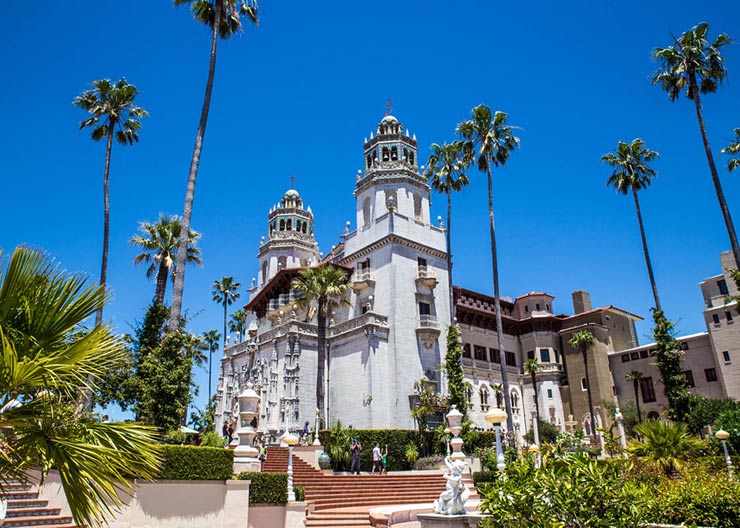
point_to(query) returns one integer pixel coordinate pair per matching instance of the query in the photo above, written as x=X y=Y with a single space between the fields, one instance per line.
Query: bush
x=300 y=493
x=432 y=462
x=479 y=477
x=212 y=439
x=267 y=488
x=395 y=439
x=175 y=436
x=548 y=433
x=411 y=453
x=195 y=463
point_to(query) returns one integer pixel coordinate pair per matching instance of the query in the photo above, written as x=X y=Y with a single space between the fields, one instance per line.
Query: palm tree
x=498 y=392
x=632 y=173
x=635 y=376
x=326 y=285
x=584 y=340
x=112 y=113
x=666 y=445
x=532 y=367
x=494 y=141
x=238 y=323
x=225 y=292
x=446 y=173
x=47 y=354
x=692 y=63
x=733 y=149
x=224 y=19
x=211 y=339
x=159 y=241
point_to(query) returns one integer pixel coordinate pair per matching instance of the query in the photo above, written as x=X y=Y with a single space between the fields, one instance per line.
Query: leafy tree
x=666 y=445
x=632 y=173
x=492 y=140
x=224 y=19
x=211 y=339
x=446 y=173
x=695 y=65
x=583 y=340
x=548 y=433
x=225 y=292
x=112 y=113
x=729 y=420
x=532 y=367
x=326 y=285
x=159 y=242
x=635 y=376
x=238 y=323
x=206 y=418
x=47 y=354
x=454 y=371
x=706 y=411
x=733 y=149
x=668 y=360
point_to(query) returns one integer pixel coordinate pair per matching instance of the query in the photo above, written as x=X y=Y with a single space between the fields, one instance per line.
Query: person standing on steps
x=354 y=451
x=384 y=461
x=376 y=458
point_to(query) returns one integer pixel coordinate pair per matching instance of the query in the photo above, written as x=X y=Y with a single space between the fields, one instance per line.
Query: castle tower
x=290 y=240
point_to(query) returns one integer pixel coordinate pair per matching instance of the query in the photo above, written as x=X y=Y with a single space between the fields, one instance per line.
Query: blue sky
x=298 y=95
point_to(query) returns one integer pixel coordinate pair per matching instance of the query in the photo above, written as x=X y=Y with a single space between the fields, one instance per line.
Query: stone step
x=21 y=495
x=27 y=503
x=38 y=521
x=326 y=516
x=32 y=512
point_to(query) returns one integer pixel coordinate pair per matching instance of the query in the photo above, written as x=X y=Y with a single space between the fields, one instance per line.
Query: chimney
x=727 y=260
x=581 y=301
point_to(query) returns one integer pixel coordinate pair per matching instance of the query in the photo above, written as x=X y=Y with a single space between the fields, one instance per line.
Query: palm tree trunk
x=715 y=177
x=645 y=250
x=637 y=401
x=449 y=256
x=182 y=247
x=210 y=373
x=225 y=299
x=321 y=360
x=106 y=219
x=161 y=287
x=497 y=300
x=536 y=406
x=590 y=398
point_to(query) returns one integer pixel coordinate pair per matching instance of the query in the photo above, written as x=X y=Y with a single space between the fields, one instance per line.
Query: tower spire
x=388 y=107
x=292 y=181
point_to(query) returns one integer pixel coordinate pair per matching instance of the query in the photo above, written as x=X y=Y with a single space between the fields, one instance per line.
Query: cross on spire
x=388 y=107
x=292 y=182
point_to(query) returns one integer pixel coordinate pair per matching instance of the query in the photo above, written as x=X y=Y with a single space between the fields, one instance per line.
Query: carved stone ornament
x=391 y=200
x=428 y=340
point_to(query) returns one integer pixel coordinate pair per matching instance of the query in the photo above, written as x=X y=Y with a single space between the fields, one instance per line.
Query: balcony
x=427 y=328
x=426 y=277
x=362 y=280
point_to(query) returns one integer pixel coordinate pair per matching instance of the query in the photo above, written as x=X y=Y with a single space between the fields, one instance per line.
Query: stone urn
x=324 y=461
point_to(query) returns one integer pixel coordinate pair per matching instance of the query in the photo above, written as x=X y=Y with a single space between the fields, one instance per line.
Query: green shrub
x=411 y=453
x=267 y=488
x=479 y=477
x=300 y=493
x=175 y=436
x=395 y=439
x=212 y=439
x=196 y=463
x=432 y=462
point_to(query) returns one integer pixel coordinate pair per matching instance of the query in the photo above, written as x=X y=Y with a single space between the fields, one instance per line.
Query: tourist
x=230 y=433
x=225 y=431
x=376 y=458
x=305 y=433
x=355 y=456
x=384 y=461
x=262 y=456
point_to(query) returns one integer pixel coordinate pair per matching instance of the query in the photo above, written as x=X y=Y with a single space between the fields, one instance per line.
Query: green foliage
x=454 y=371
x=212 y=439
x=205 y=419
x=267 y=488
x=300 y=493
x=338 y=442
x=729 y=420
x=426 y=403
x=629 y=414
x=487 y=475
x=668 y=360
x=395 y=439
x=701 y=498
x=196 y=463
x=175 y=436
x=705 y=411
x=665 y=445
x=411 y=453
x=574 y=491
x=548 y=432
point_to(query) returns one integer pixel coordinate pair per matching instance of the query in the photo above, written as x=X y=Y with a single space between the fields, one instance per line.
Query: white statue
x=452 y=500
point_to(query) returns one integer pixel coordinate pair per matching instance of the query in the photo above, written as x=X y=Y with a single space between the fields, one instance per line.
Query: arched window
x=289 y=225
x=406 y=154
x=385 y=154
x=369 y=161
x=264 y=272
x=411 y=157
x=394 y=153
x=305 y=227
x=366 y=210
x=514 y=400
x=282 y=262
x=417 y=206
x=304 y=262
x=469 y=396
x=282 y=224
x=483 y=398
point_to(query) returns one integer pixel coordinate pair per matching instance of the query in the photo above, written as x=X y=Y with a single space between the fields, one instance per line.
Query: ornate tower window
x=394 y=153
x=282 y=224
x=366 y=210
x=282 y=262
x=417 y=206
x=289 y=225
x=406 y=154
x=386 y=156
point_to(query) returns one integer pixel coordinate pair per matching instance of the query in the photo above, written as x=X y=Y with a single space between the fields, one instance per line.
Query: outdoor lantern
x=723 y=435
x=248 y=404
x=454 y=419
x=290 y=439
x=316 y=440
x=497 y=416
x=448 y=431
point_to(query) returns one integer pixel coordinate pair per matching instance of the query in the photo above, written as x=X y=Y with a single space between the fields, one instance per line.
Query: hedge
x=395 y=439
x=300 y=493
x=267 y=488
x=479 y=477
x=196 y=463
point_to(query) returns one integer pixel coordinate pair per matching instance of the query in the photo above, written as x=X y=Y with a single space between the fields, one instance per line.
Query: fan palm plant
x=238 y=323
x=159 y=241
x=583 y=340
x=635 y=376
x=631 y=174
x=326 y=285
x=446 y=173
x=492 y=140
x=733 y=149
x=666 y=445
x=225 y=292
x=47 y=354
x=211 y=339
x=532 y=367
x=112 y=113
x=694 y=64
x=224 y=18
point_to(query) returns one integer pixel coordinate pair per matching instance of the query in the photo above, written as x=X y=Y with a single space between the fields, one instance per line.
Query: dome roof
x=292 y=193
x=389 y=119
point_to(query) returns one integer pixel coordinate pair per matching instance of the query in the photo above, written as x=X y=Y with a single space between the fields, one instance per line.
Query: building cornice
x=392 y=239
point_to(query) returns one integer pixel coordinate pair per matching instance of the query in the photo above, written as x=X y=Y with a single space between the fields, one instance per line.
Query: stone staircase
x=344 y=500
x=26 y=509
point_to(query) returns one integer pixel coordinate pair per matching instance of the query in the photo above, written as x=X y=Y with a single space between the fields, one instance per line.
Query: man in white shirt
x=376 y=458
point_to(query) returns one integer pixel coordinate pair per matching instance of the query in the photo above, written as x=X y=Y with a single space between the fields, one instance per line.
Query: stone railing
x=427 y=321
x=369 y=319
x=424 y=272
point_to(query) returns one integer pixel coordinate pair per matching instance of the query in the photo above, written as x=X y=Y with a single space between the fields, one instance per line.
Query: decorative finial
x=388 y=107
x=292 y=182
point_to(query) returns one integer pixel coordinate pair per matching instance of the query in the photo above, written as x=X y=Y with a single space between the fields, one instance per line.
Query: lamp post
x=447 y=438
x=290 y=439
x=535 y=450
x=496 y=417
x=454 y=419
x=723 y=436
x=316 y=440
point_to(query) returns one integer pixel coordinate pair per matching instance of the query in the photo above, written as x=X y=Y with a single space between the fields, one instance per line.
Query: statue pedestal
x=436 y=520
